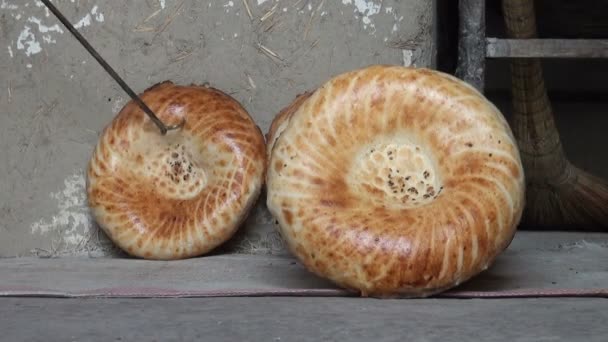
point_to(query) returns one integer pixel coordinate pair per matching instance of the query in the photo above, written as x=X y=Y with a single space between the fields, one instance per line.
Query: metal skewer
x=163 y=128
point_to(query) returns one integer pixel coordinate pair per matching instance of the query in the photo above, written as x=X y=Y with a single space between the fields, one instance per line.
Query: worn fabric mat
x=535 y=265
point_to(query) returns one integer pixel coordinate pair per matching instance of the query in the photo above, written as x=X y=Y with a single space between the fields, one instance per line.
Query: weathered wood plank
x=546 y=48
x=303 y=319
x=535 y=260
x=471 y=42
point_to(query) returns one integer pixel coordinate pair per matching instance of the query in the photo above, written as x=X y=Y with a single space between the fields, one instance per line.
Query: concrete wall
x=55 y=99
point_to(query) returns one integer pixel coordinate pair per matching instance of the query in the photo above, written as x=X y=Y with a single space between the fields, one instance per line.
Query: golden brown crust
x=282 y=119
x=396 y=181
x=183 y=194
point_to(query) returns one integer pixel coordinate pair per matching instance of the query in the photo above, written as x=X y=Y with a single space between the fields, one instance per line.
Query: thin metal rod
x=163 y=128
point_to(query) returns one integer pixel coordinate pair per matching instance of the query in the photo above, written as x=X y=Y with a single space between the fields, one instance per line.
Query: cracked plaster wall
x=55 y=99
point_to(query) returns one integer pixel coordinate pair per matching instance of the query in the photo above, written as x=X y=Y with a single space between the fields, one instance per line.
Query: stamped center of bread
x=395 y=175
x=176 y=174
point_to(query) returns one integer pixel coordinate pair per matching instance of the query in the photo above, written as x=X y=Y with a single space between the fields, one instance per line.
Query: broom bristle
x=558 y=194
x=579 y=201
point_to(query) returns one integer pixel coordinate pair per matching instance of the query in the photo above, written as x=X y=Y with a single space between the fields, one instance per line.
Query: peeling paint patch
x=71 y=228
x=366 y=9
x=85 y=21
x=72 y=220
x=46 y=37
x=27 y=41
x=72 y=207
x=228 y=6
x=9 y=6
x=98 y=16
x=408 y=56
x=36 y=32
x=118 y=104
x=162 y=4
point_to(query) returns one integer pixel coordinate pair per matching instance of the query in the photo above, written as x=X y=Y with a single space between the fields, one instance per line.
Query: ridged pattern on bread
x=395 y=181
x=182 y=194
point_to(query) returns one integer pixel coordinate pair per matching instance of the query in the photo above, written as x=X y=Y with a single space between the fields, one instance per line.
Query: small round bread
x=182 y=194
x=394 y=181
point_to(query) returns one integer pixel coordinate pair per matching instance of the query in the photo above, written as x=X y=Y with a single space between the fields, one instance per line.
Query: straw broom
x=558 y=193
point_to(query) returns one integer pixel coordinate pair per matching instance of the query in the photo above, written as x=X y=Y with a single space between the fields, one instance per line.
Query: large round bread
x=395 y=181
x=182 y=194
